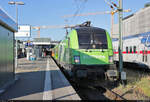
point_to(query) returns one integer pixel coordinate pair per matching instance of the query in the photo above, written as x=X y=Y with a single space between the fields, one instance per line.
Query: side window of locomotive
x=130 y=49
x=127 y=50
x=134 y=49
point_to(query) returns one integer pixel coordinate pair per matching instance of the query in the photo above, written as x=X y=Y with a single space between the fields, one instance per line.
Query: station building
x=134 y=24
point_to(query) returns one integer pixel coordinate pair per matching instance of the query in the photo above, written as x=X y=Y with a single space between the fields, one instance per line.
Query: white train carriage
x=136 y=49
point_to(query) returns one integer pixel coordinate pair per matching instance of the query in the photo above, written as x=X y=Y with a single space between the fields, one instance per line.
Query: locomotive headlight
x=77 y=59
x=110 y=59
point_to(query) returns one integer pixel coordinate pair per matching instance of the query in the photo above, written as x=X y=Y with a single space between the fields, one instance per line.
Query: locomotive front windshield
x=92 y=39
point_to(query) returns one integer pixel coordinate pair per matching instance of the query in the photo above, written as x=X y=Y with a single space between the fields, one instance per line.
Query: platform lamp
x=16 y=3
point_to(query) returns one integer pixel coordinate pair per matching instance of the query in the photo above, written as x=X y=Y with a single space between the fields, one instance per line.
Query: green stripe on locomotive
x=68 y=49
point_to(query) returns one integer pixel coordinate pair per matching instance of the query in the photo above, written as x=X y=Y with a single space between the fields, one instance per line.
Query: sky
x=50 y=12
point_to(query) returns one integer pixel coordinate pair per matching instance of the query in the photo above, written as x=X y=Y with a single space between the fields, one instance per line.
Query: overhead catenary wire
x=80 y=7
x=81 y=10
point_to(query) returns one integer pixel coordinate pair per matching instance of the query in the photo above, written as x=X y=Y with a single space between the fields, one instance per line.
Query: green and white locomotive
x=86 y=52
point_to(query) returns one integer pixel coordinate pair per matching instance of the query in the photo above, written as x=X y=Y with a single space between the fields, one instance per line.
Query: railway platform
x=40 y=80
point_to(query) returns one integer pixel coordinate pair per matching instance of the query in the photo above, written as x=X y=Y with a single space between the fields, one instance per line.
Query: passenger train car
x=136 y=49
x=136 y=40
x=86 y=51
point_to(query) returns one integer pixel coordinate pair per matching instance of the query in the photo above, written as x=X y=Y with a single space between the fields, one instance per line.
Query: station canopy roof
x=41 y=41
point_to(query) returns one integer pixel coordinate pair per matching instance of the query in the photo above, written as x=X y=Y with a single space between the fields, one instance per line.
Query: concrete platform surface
x=60 y=85
x=40 y=80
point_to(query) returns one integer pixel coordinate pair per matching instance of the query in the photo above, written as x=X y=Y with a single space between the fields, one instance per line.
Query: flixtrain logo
x=146 y=41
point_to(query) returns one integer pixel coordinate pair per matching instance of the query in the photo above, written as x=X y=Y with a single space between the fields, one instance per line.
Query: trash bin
x=32 y=58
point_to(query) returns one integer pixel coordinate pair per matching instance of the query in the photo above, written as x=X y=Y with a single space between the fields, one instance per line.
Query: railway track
x=111 y=94
x=96 y=90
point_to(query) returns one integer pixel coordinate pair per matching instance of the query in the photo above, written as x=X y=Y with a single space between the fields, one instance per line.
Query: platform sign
x=23 y=31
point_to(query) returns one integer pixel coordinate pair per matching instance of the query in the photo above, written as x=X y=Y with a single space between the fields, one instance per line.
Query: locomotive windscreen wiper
x=103 y=47
x=89 y=44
